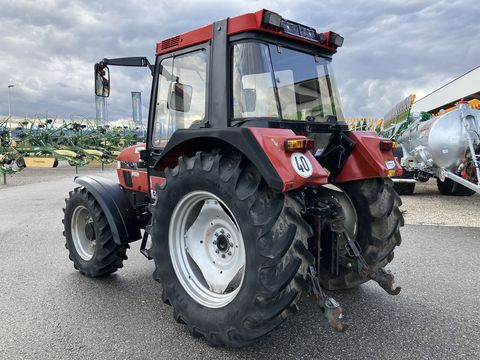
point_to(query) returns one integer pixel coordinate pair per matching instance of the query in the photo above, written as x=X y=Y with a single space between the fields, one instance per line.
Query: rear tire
x=89 y=239
x=452 y=188
x=404 y=188
x=274 y=237
x=378 y=228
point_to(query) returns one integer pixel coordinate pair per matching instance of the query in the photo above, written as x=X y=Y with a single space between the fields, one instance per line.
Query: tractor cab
x=255 y=70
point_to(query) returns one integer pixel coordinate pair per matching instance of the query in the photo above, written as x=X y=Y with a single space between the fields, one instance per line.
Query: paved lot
x=49 y=311
x=63 y=171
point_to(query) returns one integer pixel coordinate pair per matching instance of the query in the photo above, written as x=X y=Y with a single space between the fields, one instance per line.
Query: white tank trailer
x=446 y=147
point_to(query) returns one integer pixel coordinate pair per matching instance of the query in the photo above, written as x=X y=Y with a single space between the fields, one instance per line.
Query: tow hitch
x=328 y=216
x=383 y=277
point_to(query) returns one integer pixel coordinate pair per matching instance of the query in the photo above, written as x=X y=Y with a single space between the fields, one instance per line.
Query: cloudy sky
x=392 y=48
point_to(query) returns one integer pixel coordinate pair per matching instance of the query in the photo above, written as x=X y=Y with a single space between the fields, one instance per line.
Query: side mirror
x=102 y=80
x=142 y=163
x=143 y=155
x=250 y=97
x=180 y=97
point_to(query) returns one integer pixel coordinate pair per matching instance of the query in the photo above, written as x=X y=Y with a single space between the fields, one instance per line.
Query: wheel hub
x=222 y=243
x=83 y=233
x=90 y=231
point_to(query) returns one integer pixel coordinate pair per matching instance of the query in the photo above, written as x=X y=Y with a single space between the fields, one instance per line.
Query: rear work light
x=273 y=19
x=295 y=29
x=292 y=145
x=335 y=39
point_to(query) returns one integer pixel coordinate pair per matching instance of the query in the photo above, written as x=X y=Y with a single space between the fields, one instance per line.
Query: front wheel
x=229 y=252
x=89 y=239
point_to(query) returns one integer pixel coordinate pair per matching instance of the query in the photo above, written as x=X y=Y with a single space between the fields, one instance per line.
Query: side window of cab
x=181 y=95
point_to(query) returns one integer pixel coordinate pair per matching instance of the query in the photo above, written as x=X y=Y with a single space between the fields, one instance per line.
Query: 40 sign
x=301 y=165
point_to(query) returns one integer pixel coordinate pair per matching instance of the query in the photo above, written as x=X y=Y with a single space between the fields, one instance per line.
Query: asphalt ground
x=63 y=171
x=49 y=311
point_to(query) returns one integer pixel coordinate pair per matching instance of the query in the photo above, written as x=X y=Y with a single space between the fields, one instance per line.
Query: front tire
x=267 y=227
x=89 y=239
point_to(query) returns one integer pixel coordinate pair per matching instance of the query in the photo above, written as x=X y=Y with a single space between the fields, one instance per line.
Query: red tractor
x=250 y=189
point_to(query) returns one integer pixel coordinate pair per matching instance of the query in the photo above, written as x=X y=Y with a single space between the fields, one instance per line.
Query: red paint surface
x=129 y=158
x=156 y=180
x=139 y=179
x=187 y=39
x=132 y=153
x=272 y=142
x=366 y=159
x=236 y=25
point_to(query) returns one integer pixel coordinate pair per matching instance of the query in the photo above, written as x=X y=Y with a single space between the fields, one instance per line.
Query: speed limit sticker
x=301 y=165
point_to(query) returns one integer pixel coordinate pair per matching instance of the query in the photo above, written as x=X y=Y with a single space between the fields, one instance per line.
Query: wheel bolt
x=217 y=251
x=231 y=244
x=214 y=242
x=228 y=236
x=216 y=233
x=222 y=231
x=229 y=253
x=223 y=256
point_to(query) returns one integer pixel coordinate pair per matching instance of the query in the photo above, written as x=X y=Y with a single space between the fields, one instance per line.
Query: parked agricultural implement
x=445 y=147
x=43 y=143
x=250 y=189
x=11 y=161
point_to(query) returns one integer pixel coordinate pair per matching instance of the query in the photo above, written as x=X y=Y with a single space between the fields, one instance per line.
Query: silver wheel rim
x=84 y=245
x=207 y=249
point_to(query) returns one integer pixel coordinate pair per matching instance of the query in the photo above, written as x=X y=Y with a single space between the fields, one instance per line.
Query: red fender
x=367 y=160
x=272 y=141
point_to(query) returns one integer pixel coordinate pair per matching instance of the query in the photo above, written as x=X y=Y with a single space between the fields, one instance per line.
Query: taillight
x=386 y=145
x=292 y=145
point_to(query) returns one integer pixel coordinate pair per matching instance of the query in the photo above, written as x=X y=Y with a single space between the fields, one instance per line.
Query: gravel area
x=427 y=206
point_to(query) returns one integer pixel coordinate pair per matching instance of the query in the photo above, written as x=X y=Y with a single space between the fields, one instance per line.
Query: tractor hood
x=131 y=154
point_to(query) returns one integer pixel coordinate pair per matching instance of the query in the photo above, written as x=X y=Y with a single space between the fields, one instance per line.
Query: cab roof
x=264 y=21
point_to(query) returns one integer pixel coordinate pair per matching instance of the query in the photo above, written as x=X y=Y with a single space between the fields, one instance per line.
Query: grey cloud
x=392 y=48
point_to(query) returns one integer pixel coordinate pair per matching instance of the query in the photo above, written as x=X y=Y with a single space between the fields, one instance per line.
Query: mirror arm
x=129 y=61
x=167 y=75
